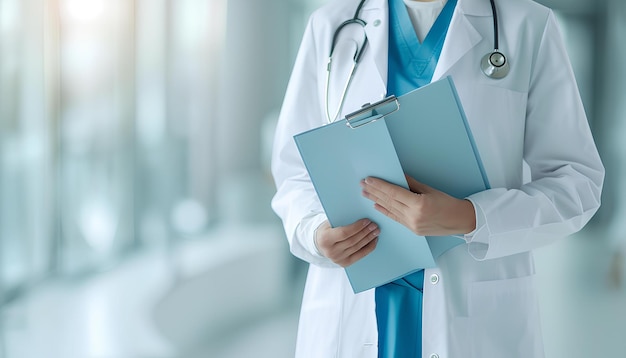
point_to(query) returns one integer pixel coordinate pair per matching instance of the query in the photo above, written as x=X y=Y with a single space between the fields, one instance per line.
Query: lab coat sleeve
x=296 y=201
x=566 y=171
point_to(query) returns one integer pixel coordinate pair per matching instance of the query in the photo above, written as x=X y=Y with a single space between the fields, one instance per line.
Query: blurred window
x=105 y=130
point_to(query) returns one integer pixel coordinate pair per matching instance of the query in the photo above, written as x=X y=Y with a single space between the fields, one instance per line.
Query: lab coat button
x=377 y=22
x=434 y=355
x=434 y=279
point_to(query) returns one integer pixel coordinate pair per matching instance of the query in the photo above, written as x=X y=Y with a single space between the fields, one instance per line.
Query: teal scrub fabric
x=411 y=65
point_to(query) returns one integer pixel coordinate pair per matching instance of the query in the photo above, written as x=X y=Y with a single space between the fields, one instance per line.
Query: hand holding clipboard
x=424 y=134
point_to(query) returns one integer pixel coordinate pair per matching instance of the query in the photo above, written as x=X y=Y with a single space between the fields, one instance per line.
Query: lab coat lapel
x=462 y=35
x=370 y=81
x=376 y=14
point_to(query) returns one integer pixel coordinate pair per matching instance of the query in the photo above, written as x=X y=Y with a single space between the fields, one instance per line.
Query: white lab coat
x=480 y=300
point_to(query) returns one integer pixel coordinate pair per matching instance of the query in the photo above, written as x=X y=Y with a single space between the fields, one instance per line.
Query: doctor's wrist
x=315 y=245
x=466 y=217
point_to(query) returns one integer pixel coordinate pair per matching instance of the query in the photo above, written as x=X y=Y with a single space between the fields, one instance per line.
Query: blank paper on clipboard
x=423 y=133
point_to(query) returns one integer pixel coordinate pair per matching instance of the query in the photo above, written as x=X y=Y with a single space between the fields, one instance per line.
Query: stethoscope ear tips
x=495 y=65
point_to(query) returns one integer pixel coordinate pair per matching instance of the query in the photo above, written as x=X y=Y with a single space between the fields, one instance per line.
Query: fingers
x=399 y=204
x=364 y=251
x=347 y=244
x=424 y=210
x=354 y=246
x=391 y=214
x=358 y=240
x=392 y=198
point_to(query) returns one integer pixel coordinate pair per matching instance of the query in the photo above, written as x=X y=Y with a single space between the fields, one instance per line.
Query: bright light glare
x=9 y=15
x=83 y=10
x=98 y=224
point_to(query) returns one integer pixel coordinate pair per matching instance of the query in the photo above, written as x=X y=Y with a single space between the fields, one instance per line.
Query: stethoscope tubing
x=355 y=61
x=495 y=25
x=494 y=64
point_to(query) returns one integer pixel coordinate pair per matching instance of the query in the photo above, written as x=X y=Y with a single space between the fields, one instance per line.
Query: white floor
x=583 y=297
x=119 y=313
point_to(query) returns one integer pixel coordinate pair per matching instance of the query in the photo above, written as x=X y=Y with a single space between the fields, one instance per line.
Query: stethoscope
x=493 y=65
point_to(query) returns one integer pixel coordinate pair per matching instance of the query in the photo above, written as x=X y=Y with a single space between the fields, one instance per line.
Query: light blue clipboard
x=337 y=157
x=435 y=146
x=423 y=133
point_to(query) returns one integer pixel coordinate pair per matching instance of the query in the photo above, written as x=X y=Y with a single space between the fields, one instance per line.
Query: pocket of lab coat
x=504 y=319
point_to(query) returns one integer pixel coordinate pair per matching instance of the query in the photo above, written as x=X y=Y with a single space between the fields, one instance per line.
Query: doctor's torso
x=480 y=300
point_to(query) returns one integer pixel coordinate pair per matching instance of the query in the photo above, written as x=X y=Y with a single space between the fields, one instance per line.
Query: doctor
x=479 y=302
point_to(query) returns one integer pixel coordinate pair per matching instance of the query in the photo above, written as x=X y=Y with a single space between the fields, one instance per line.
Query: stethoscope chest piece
x=495 y=65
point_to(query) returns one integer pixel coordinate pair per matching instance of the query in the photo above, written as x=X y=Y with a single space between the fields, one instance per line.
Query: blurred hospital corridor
x=135 y=184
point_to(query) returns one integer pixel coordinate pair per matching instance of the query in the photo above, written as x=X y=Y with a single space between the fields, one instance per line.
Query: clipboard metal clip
x=372 y=112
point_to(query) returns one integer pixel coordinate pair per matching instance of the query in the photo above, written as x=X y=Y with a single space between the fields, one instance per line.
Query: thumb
x=416 y=186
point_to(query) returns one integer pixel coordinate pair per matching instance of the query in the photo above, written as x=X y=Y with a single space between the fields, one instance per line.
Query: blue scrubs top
x=411 y=65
